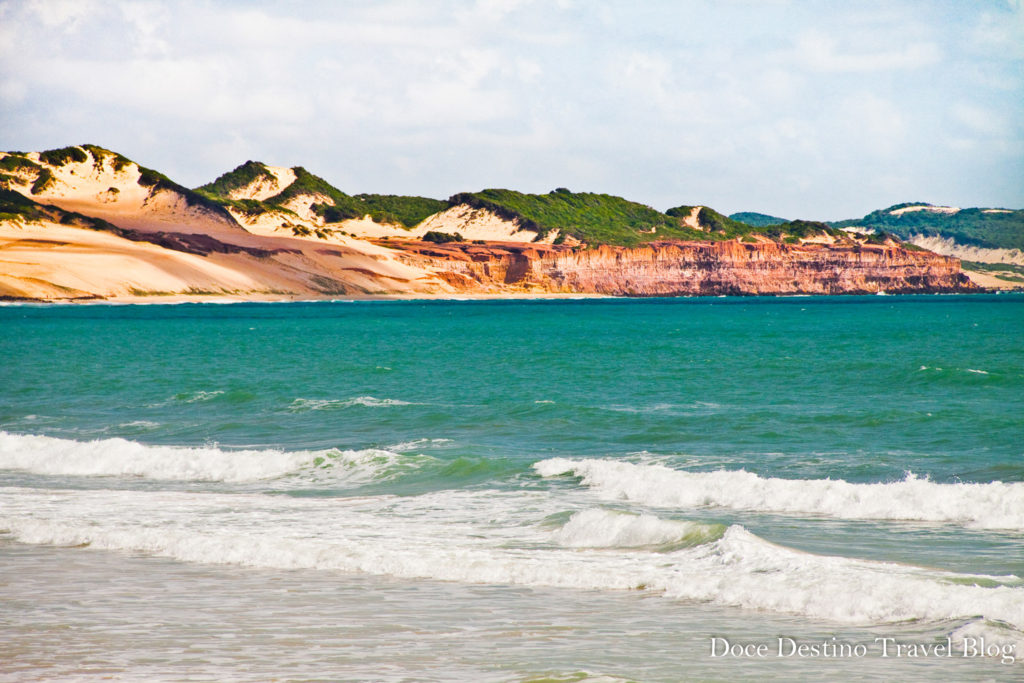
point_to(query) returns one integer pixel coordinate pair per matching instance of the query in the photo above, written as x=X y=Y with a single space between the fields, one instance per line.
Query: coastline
x=298 y=299
x=451 y=297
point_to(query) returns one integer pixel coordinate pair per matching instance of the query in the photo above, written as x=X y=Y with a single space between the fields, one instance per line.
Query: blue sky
x=819 y=110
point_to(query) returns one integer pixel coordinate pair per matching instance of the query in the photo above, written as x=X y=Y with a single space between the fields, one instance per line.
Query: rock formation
x=690 y=268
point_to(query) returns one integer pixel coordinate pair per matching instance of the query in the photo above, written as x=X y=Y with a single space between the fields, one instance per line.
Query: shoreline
x=235 y=299
x=297 y=299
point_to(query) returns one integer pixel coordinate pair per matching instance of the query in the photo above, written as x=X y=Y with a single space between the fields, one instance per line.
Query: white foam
x=998 y=641
x=598 y=528
x=496 y=537
x=995 y=505
x=143 y=424
x=303 y=404
x=189 y=397
x=419 y=444
x=198 y=396
x=120 y=458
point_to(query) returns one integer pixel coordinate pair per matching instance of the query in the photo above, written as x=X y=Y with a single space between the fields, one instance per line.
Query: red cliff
x=688 y=268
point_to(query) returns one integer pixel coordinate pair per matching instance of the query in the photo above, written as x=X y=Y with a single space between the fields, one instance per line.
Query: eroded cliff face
x=689 y=268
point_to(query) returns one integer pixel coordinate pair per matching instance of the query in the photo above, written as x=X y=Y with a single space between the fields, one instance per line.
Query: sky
x=801 y=109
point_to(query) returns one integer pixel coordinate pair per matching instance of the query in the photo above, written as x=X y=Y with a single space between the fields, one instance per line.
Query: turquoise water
x=811 y=466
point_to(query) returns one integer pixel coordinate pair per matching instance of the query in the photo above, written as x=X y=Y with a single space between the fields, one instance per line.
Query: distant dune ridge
x=989 y=241
x=86 y=223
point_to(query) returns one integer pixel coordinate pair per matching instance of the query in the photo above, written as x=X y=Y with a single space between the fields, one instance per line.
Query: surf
x=993 y=505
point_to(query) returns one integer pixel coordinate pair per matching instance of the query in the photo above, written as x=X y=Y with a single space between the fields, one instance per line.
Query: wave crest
x=995 y=505
x=122 y=458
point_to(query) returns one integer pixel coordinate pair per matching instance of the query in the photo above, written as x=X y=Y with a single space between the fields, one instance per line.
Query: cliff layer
x=672 y=268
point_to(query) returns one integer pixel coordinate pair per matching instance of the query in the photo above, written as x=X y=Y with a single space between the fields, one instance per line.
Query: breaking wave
x=994 y=505
x=122 y=458
x=596 y=528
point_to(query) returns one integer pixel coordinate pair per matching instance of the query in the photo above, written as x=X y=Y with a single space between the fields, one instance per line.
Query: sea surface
x=604 y=490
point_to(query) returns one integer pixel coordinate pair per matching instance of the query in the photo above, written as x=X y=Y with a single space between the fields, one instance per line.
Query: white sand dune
x=925 y=207
x=49 y=261
x=947 y=246
x=206 y=252
x=477 y=224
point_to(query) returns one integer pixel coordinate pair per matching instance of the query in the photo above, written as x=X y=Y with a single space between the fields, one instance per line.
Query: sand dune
x=164 y=242
x=478 y=224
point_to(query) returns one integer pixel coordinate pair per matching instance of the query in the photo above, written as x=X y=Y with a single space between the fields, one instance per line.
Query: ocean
x=709 y=489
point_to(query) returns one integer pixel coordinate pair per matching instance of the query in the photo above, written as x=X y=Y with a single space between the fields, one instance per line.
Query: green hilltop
x=402 y=210
x=991 y=228
x=757 y=220
x=607 y=219
x=156 y=181
x=591 y=218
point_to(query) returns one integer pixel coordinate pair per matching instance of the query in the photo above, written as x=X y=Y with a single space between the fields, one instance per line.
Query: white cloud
x=873 y=124
x=147 y=20
x=979 y=119
x=661 y=102
x=62 y=14
x=496 y=10
x=12 y=92
x=818 y=51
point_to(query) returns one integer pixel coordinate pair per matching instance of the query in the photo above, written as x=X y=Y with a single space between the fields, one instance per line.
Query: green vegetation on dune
x=799 y=229
x=15 y=163
x=403 y=210
x=158 y=182
x=253 y=207
x=306 y=184
x=1004 y=271
x=154 y=180
x=43 y=181
x=240 y=177
x=442 y=237
x=59 y=157
x=100 y=154
x=606 y=219
x=728 y=227
x=977 y=227
x=713 y=222
x=14 y=205
x=758 y=220
x=340 y=207
x=591 y=218
x=336 y=206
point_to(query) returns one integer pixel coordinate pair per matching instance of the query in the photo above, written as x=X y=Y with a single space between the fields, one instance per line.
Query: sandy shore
x=991 y=282
x=231 y=299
